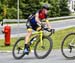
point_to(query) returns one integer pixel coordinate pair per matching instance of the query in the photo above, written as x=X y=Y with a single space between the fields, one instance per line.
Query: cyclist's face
x=46 y=11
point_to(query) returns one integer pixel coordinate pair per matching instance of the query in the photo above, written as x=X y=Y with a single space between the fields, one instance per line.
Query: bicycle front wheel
x=18 y=48
x=42 y=51
x=68 y=46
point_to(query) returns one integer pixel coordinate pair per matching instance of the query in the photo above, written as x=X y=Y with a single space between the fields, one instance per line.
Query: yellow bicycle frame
x=40 y=34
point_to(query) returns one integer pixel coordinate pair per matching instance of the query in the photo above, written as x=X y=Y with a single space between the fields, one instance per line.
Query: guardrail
x=14 y=20
x=24 y=20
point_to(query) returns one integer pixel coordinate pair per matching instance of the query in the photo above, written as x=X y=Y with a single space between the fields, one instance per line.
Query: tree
x=3 y=9
x=29 y=6
x=54 y=10
x=64 y=11
x=9 y=8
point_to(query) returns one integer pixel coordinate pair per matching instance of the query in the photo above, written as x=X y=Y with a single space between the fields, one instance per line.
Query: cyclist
x=33 y=23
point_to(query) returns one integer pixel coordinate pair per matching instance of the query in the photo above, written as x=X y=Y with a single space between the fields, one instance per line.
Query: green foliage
x=13 y=13
x=57 y=8
x=28 y=7
x=64 y=11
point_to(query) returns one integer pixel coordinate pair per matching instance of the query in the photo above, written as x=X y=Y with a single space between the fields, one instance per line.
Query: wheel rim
x=67 y=47
x=42 y=51
x=19 y=49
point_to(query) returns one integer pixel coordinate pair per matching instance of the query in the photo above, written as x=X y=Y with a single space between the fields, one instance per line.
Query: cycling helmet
x=45 y=6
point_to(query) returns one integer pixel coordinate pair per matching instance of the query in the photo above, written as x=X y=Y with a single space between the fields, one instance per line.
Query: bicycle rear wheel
x=18 y=48
x=43 y=51
x=68 y=46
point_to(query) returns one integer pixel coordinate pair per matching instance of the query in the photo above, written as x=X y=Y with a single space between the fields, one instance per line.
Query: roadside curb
x=5 y=51
x=20 y=24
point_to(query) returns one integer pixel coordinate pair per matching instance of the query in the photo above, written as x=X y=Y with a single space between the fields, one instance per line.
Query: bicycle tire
x=62 y=45
x=13 y=51
x=49 y=50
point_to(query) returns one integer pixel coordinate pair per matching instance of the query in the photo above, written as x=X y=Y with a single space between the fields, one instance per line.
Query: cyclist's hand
x=52 y=30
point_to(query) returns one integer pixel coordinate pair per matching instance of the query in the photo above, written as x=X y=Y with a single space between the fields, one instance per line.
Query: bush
x=57 y=8
x=64 y=11
x=11 y=13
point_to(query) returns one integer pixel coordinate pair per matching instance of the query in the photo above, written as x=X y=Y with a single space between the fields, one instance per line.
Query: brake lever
x=50 y=30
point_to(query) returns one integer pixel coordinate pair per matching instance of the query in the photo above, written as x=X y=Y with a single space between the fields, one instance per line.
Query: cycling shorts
x=32 y=24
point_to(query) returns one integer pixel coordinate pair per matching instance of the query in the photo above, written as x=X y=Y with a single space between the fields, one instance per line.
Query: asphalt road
x=54 y=57
x=20 y=29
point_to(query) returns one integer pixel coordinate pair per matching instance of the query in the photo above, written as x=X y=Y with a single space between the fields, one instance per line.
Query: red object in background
x=7 y=32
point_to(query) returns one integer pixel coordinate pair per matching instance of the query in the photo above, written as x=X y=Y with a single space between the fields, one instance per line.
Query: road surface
x=54 y=57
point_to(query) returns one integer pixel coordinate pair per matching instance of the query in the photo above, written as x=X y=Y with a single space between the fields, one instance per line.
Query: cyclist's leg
x=29 y=32
x=38 y=28
x=26 y=49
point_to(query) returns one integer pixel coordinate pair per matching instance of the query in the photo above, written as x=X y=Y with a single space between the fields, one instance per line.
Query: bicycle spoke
x=44 y=50
x=68 y=47
x=18 y=49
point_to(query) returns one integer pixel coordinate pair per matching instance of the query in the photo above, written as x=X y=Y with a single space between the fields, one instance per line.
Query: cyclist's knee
x=39 y=28
x=29 y=32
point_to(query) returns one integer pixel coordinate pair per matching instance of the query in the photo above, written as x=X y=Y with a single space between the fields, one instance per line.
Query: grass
x=3 y=47
x=57 y=39
x=59 y=35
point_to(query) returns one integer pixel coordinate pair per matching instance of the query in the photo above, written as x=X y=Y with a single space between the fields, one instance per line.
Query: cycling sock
x=26 y=46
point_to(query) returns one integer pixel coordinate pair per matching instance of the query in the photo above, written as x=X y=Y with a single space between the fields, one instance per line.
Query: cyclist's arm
x=37 y=18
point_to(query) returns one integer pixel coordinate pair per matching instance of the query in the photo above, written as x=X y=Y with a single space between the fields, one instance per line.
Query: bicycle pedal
x=70 y=47
x=19 y=48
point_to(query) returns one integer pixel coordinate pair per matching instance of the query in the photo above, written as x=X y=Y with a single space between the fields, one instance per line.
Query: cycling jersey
x=42 y=14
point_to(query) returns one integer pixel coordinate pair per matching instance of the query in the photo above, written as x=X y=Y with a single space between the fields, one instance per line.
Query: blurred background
x=8 y=8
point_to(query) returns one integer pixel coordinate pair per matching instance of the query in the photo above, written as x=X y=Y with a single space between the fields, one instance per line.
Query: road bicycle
x=39 y=42
x=68 y=46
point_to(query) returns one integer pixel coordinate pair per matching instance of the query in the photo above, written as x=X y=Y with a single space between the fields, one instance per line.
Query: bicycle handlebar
x=50 y=30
